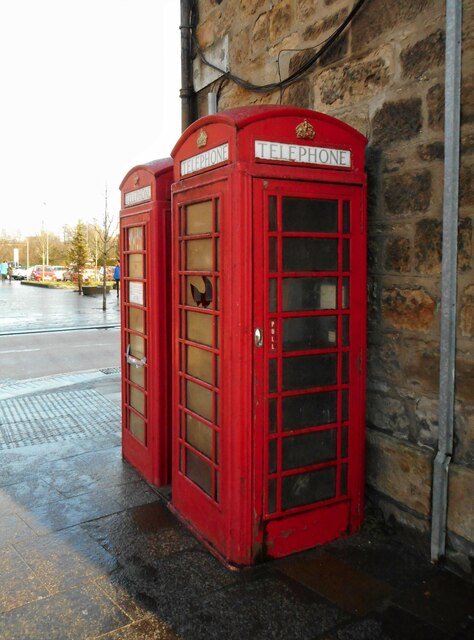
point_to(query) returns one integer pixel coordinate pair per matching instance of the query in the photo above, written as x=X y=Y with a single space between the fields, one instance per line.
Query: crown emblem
x=201 y=139
x=305 y=130
x=135 y=179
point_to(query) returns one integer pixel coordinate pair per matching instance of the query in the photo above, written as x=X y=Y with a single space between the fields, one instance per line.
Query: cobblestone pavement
x=90 y=550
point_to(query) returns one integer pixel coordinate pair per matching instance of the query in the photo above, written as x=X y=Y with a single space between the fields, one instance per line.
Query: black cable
x=296 y=75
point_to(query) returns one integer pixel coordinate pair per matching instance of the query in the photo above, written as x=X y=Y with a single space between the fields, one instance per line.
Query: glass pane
x=199 y=364
x=136 y=293
x=199 y=255
x=137 y=427
x=309 y=410
x=346 y=217
x=135 y=239
x=199 y=218
x=272 y=384
x=199 y=292
x=272 y=456
x=309 y=294
x=199 y=435
x=271 y=496
x=306 y=488
x=137 y=400
x=136 y=319
x=343 y=479
x=344 y=442
x=345 y=405
x=216 y=486
x=272 y=213
x=199 y=400
x=309 y=254
x=199 y=471
x=345 y=293
x=272 y=295
x=309 y=448
x=345 y=367
x=345 y=331
x=304 y=214
x=303 y=372
x=345 y=255
x=272 y=258
x=218 y=215
x=272 y=415
x=199 y=327
x=135 y=265
x=137 y=375
x=137 y=346
x=315 y=332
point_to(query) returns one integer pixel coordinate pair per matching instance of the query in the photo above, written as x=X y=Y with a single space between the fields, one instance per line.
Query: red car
x=43 y=272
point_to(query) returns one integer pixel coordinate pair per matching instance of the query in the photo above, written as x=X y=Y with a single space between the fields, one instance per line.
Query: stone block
x=431 y=151
x=281 y=20
x=467 y=312
x=428 y=242
x=426 y=416
x=460 y=504
x=408 y=192
x=387 y=414
x=466 y=185
x=300 y=93
x=357 y=80
x=397 y=121
x=467 y=100
x=464 y=378
x=398 y=255
x=383 y=357
x=465 y=244
x=464 y=438
x=329 y=23
x=399 y=470
x=336 y=51
x=379 y=16
x=435 y=103
x=421 y=366
x=467 y=143
x=260 y=34
x=408 y=308
x=422 y=58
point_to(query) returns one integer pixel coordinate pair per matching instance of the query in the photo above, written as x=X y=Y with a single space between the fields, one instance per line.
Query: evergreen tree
x=79 y=252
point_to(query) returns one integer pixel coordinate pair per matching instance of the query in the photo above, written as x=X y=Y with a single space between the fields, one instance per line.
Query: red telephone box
x=145 y=248
x=269 y=322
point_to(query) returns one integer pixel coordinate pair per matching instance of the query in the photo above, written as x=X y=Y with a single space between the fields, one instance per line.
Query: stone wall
x=385 y=77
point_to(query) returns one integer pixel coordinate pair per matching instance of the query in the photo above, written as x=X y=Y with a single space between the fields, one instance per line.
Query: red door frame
x=306 y=526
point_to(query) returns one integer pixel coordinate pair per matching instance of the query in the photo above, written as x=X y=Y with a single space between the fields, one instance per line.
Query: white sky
x=88 y=90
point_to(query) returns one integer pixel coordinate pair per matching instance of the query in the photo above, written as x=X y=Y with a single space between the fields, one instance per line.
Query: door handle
x=135 y=362
x=258 y=337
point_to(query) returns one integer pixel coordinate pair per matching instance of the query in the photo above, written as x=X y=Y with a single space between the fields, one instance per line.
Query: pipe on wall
x=452 y=125
x=187 y=90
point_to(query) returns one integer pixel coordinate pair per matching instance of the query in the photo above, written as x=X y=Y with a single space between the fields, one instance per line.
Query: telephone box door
x=309 y=342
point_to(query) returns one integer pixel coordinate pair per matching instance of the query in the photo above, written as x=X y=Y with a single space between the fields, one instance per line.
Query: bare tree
x=106 y=235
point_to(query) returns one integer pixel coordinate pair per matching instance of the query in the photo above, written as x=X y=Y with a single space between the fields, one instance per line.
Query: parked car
x=20 y=274
x=87 y=275
x=59 y=271
x=43 y=272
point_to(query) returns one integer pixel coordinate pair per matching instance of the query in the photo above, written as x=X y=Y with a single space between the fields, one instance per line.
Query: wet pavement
x=28 y=308
x=90 y=550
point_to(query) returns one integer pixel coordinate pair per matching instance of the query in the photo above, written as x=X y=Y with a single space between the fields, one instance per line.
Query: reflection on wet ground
x=89 y=550
x=28 y=308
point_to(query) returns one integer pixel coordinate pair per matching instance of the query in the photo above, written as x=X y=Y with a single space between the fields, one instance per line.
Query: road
x=54 y=350
x=44 y=354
